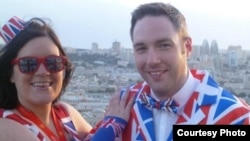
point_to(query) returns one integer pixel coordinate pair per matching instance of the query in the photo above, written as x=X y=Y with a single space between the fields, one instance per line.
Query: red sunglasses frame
x=40 y=60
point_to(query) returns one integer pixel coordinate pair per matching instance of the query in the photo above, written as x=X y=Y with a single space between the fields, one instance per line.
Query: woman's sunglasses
x=29 y=65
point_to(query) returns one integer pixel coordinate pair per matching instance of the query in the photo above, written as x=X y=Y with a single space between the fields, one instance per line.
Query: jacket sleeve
x=109 y=129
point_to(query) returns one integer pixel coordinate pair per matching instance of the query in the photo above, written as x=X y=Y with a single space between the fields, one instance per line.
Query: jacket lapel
x=142 y=122
x=199 y=104
x=143 y=118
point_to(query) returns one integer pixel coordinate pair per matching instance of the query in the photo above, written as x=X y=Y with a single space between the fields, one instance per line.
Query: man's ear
x=188 y=46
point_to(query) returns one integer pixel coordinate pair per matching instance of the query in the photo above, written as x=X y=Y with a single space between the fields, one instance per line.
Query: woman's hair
x=36 y=27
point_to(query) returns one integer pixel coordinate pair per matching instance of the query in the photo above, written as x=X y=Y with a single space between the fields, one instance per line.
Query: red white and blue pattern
x=11 y=115
x=116 y=126
x=208 y=104
x=14 y=26
x=60 y=111
x=169 y=105
x=110 y=129
x=70 y=128
x=67 y=122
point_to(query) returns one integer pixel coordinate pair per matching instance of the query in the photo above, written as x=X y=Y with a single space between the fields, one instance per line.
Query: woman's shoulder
x=12 y=130
x=81 y=125
x=72 y=112
x=67 y=108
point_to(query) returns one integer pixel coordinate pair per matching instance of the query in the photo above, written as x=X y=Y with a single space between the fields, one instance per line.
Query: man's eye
x=164 y=45
x=140 y=49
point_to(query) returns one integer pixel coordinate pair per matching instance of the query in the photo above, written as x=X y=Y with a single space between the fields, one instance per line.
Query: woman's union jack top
x=109 y=128
x=60 y=112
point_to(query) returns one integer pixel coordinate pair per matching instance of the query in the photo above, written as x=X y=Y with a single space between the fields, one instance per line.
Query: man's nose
x=153 y=57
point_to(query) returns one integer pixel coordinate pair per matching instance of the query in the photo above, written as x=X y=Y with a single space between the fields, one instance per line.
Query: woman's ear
x=64 y=74
x=12 y=78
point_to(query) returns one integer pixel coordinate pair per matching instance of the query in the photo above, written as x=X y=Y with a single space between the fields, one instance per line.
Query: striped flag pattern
x=11 y=115
x=14 y=26
x=116 y=126
x=61 y=113
x=208 y=104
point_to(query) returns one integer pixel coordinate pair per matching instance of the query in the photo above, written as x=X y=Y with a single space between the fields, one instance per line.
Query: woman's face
x=41 y=87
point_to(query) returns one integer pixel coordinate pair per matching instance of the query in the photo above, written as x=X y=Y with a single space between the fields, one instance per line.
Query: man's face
x=160 y=54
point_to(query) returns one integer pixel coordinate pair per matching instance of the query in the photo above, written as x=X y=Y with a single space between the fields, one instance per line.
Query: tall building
x=214 y=50
x=234 y=56
x=94 y=46
x=205 y=47
x=126 y=54
x=116 y=46
x=204 y=51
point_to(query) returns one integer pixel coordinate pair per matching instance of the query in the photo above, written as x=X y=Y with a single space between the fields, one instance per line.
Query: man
x=172 y=93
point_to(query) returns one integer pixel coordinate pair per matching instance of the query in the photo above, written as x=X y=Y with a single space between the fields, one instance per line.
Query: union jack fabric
x=67 y=122
x=110 y=128
x=14 y=26
x=117 y=127
x=169 y=105
x=11 y=115
x=60 y=112
x=208 y=104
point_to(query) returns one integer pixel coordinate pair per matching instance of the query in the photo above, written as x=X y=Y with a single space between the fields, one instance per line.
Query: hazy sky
x=78 y=23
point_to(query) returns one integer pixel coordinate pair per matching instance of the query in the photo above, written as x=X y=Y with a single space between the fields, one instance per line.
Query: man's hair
x=160 y=9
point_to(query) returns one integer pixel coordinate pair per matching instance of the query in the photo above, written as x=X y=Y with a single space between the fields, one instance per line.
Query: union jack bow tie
x=169 y=105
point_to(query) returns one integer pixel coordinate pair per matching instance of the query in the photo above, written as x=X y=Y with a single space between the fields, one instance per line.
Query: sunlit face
x=41 y=87
x=160 y=54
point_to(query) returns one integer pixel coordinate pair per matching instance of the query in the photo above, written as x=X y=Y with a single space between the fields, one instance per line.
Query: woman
x=34 y=74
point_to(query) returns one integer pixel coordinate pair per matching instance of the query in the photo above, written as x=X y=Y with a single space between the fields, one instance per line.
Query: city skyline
x=80 y=23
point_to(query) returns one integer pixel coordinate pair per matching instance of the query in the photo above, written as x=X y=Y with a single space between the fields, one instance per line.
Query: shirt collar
x=185 y=92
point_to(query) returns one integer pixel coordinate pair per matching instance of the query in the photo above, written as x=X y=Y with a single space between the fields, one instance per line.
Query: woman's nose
x=42 y=69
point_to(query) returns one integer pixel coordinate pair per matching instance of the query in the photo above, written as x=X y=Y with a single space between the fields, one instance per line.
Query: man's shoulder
x=227 y=101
